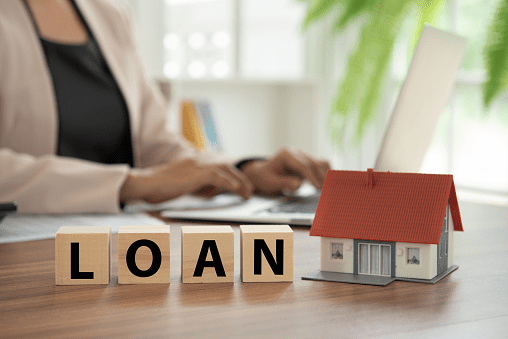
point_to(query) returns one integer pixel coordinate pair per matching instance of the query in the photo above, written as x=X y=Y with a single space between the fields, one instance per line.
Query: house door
x=374 y=259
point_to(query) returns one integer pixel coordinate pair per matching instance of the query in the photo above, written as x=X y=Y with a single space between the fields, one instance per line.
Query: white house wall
x=427 y=269
x=344 y=265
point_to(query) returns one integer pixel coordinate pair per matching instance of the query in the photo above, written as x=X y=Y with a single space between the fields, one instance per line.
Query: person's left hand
x=285 y=171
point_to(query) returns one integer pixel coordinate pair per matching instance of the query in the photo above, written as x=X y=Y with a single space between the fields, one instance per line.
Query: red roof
x=401 y=207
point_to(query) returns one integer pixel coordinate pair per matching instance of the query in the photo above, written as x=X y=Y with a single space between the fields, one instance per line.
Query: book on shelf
x=199 y=125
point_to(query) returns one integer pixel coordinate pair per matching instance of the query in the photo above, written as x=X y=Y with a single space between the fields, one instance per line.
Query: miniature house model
x=376 y=227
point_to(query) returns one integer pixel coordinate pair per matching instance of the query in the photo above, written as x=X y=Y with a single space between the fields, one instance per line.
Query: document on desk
x=27 y=227
x=187 y=203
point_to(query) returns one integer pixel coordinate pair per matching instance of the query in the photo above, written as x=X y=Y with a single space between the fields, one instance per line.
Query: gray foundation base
x=349 y=278
x=371 y=279
x=433 y=280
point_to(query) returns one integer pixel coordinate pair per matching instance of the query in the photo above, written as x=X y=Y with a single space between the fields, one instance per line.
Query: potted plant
x=358 y=93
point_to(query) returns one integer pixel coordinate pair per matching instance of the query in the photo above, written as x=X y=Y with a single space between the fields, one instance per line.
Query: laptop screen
x=422 y=99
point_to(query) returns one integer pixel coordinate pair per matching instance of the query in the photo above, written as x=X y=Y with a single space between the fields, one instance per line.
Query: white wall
x=345 y=265
x=428 y=261
x=254 y=117
x=149 y=25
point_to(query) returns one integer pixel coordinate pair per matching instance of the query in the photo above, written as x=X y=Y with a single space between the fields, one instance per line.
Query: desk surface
x=470 y=303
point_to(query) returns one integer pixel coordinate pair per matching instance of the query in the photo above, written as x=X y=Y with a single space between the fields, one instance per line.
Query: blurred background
x=271 y=83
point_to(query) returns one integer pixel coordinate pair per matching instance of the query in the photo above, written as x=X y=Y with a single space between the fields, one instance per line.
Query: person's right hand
x=168 y=181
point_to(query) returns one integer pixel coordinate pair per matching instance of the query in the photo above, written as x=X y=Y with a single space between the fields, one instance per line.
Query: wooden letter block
x=266 y=253
x=208 y=254
x=143 y=255
x=82 y=255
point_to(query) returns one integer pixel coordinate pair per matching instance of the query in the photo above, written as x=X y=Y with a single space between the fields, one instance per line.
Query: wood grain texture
x=470 y=303
x=93 y=251
x=269 y=234
x=144 y=258
x=193 y=243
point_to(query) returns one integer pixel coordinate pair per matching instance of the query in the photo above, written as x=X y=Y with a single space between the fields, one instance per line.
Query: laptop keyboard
x=306 y=204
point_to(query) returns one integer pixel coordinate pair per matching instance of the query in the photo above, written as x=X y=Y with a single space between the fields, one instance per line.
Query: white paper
x=27 y=227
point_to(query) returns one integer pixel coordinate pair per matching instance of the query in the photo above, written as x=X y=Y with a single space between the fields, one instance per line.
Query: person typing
x=82 y=129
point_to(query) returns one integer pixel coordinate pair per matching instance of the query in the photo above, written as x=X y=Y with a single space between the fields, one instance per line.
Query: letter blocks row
x=82 y=254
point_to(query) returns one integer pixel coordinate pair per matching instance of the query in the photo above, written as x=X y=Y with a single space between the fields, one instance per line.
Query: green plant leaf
x=359 y=92
x=428 y=11
x=353 y=10
x=318 y=8
x=374 y=89
x=361 y=88
x=496 y=55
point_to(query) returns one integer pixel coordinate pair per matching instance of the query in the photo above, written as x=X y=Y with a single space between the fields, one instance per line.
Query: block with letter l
x=266 y=253
x=143 y=254
x=82 y=255
x=207 y=254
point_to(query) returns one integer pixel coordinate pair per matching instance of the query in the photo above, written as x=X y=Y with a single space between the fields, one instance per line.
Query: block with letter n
x=208 y=254
x=266 y=253
x=82 y=255
x=143 y=254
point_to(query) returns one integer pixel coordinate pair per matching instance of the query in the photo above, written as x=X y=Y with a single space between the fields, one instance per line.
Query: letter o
x=131 y=258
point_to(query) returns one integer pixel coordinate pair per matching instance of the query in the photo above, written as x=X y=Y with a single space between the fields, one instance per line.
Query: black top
x=92 y=113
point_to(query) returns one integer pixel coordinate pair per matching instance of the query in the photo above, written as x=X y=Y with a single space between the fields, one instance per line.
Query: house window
x=446 y=219
x=443 y=249
x=337 y=251
x=413 y=256
x=230 y=39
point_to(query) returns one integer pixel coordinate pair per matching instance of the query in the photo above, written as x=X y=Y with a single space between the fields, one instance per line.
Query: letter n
x=277 y=265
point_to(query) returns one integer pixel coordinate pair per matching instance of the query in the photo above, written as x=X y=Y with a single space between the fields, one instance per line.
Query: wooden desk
x=470 y=303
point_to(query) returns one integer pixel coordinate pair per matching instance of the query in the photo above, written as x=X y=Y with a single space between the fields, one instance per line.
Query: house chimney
x=370 y=177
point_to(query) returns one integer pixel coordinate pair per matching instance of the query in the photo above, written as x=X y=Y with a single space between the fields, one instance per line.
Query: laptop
x=421 y=101
x=7 y=208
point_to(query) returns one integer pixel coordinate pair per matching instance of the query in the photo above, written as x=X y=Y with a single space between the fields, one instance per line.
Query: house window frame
x=443 y=247
x=418 y=257
x=341 y=250
x=447 y=217
x=447 y=228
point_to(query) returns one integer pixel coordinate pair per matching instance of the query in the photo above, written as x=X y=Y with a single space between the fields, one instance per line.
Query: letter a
x=216 y=261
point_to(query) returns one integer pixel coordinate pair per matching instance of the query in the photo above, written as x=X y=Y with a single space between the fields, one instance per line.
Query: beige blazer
x=30 y=172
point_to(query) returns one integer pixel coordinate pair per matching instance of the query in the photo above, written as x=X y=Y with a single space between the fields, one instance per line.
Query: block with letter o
x=143 y=255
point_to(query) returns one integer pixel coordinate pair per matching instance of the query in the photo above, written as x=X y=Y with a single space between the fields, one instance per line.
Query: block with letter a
x=266 y=253
x=143 y=254
x=82 y=255
x=207 y=254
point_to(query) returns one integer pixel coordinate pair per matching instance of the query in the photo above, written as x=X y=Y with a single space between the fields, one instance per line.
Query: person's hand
x=285 y=171
x=168 y=181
